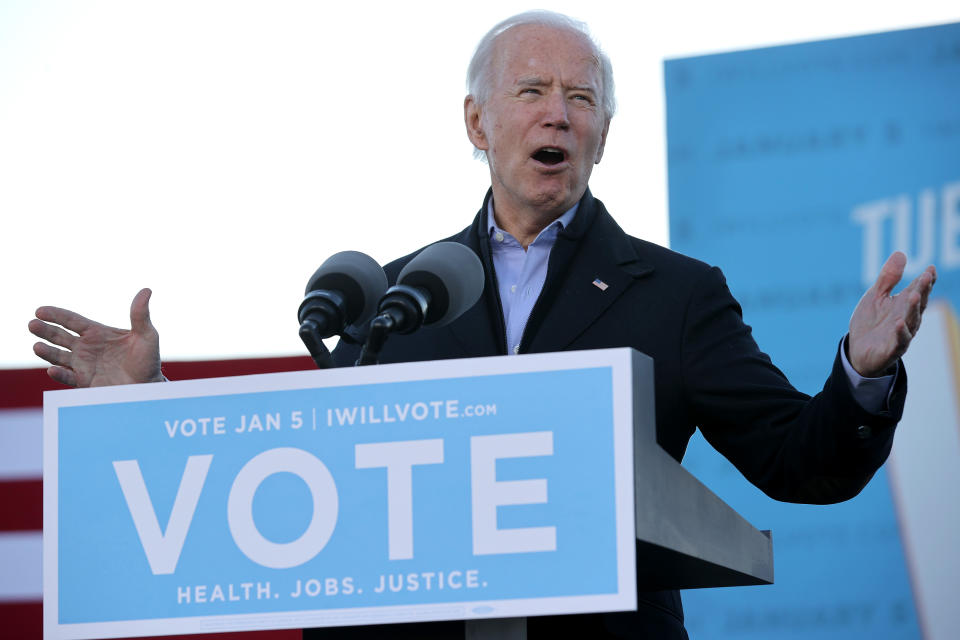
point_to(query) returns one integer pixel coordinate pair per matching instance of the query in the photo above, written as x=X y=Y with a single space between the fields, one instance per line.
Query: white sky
x=218 y=152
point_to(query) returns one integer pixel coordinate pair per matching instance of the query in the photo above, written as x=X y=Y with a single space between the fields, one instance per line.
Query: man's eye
x=583 y=98
x=531 y=91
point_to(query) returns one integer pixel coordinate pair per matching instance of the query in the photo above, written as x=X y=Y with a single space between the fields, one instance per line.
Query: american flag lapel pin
x=600 y=284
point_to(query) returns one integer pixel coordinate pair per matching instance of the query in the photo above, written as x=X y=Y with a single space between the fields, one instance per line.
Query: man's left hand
x=883 y=325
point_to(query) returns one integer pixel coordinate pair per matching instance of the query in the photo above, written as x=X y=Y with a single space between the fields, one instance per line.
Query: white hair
x=480 y=71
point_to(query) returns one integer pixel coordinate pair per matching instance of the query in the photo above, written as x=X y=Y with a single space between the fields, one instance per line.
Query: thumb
x=140 y=312
x=890 y=273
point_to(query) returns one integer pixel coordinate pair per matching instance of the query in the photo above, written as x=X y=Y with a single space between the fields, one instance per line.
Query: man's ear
x=603 y=141
x=473 y=121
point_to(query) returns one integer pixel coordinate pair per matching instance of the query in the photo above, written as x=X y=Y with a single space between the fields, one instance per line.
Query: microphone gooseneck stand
x=402 y=310
x=318 y=311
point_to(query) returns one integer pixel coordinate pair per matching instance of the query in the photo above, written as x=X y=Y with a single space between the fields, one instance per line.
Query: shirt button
x=498 y=236
x=513 y=289
x=864 y=432
x=516 y=348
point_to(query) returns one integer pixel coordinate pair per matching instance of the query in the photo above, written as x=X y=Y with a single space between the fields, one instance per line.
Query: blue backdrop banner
x=798 y=169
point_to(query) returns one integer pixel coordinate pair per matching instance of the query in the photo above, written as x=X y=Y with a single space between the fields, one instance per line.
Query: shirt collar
x=555 y=227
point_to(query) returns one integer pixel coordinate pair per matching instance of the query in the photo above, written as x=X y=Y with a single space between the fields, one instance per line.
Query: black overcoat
x=709 y=374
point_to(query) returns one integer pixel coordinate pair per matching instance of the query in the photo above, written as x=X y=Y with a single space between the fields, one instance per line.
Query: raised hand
x=882 y=325
x=95 y=355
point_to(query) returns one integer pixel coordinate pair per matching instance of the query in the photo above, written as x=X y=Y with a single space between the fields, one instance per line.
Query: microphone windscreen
x=451 y=273
x=358 y=277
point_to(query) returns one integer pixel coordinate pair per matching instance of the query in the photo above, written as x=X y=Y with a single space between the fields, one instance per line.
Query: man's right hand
x=95 y=355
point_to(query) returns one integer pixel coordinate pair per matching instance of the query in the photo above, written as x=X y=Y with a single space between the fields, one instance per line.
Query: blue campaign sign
x=395 y=493
x=798 y=169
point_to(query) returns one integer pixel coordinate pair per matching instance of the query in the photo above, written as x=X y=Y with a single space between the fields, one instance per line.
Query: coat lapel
x=593 y=248
x=480 y=331
x=591 y=266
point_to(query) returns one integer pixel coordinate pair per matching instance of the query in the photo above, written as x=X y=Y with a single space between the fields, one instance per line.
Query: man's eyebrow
x=531 y=81
x=538 y=81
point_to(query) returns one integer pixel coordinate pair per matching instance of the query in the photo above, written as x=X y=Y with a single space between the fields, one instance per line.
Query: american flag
x=21 y=489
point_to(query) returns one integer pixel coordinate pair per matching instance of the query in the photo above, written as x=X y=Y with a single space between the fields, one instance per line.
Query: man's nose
x=555 y=113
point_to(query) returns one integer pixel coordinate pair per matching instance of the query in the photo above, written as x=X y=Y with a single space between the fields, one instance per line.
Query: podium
x=486 y=489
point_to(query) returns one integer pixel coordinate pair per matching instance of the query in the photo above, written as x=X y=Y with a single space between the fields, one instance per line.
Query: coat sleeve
x=794 y=447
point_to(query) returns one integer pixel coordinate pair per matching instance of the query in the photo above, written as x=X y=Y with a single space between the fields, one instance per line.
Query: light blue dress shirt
x=521 y=273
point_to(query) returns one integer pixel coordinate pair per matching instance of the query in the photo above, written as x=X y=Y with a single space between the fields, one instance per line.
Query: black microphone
x=434 y=288
x=343 y=291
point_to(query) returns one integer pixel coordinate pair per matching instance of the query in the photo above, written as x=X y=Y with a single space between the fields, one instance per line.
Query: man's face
x=542 y=127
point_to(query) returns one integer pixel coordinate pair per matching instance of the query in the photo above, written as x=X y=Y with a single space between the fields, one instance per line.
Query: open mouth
x=549 y=155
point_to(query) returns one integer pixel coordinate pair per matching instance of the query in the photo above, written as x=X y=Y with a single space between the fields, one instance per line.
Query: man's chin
x=546 y=198
x=555 y=201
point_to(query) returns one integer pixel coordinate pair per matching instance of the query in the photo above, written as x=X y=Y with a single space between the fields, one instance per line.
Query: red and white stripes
x=21 y=488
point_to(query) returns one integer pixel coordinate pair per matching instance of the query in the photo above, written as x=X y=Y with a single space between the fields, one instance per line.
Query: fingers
x=140 y=312
x=52 y=355
x=65 y=318
x=916 y=295
x=63 y=376
x=925 y=282
x=52 y=333
x=890 y=273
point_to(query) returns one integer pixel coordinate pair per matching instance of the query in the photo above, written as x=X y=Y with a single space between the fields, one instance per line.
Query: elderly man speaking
x=562 y=275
